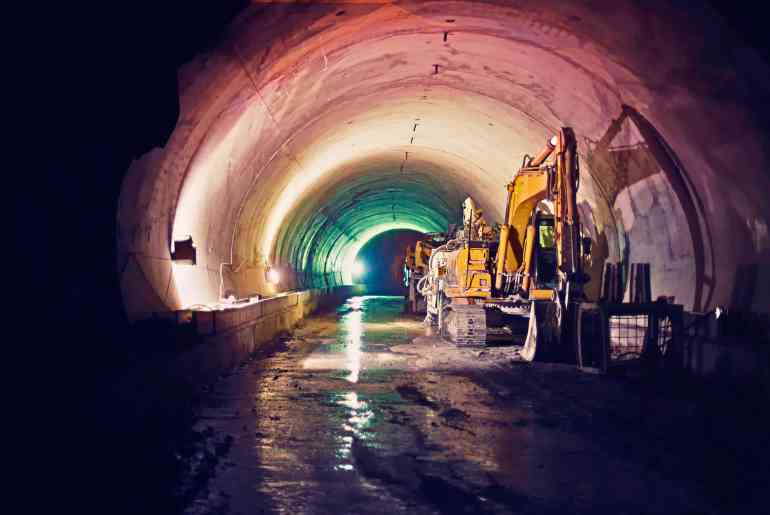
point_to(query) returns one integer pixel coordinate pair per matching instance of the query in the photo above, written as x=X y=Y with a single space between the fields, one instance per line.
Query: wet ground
x=358 y=412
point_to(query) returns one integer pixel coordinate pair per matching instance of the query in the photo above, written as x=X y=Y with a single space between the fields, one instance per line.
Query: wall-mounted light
x=272 y=275
x=183 y=252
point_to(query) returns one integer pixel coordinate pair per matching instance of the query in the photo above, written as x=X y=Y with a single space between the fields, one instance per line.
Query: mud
x=359 y=412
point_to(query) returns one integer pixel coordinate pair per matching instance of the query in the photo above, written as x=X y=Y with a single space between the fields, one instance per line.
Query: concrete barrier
x=228 y=337
x=215 y=343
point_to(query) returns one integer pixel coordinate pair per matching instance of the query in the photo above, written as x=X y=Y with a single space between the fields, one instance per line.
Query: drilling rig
x=416 y=259
x=526 y=276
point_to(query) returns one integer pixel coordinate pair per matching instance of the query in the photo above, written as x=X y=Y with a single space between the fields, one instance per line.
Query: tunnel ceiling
x=310 y=128
x=368 y=198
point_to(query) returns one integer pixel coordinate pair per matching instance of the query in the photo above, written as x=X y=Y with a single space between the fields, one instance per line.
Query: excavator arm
x=536 y=181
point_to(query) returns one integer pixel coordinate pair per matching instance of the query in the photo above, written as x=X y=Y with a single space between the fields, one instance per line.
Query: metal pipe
x=569 y=183
x=502 y=251
x=543 y=155
x=502 y=248
x=508 y=199
x=529 y=247
x=569 y=178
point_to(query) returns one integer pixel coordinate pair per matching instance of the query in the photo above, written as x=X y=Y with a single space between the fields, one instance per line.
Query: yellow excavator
x=523 y=278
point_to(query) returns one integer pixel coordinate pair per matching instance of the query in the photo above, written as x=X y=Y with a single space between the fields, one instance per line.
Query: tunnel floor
x=358 y=412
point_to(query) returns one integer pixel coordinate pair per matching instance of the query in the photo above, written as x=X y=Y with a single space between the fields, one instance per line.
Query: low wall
x=215 y=342
x=229 y=337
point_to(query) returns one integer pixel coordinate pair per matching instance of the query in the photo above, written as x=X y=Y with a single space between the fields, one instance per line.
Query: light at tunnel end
x=358 y=269
x=350 y=252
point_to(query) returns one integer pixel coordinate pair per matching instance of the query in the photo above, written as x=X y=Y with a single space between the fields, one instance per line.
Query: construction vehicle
x=416 y=260
x=524 y=278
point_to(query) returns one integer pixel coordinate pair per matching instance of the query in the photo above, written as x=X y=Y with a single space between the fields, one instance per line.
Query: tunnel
x=310 y=129
x=229 y=242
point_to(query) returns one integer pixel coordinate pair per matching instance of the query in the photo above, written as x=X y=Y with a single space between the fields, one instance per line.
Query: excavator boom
x=535 y=182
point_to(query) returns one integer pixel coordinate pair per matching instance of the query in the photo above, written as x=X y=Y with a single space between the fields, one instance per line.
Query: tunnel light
x=348 y=254
x=273 y=275
x=358 y=269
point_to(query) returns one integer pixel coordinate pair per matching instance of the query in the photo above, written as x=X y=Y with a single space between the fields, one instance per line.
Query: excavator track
x=465 y=325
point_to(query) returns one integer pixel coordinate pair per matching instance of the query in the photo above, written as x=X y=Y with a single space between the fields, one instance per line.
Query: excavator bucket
x=544 y=332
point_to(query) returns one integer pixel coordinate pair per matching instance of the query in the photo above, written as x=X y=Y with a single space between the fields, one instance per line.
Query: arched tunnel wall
x=314 y=127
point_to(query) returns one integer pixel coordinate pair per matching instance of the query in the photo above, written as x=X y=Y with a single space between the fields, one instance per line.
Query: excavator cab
x=545 y=252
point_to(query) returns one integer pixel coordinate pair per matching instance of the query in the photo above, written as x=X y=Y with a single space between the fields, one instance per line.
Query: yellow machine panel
x=477 y=257
x=471 y=275
x=479 y=285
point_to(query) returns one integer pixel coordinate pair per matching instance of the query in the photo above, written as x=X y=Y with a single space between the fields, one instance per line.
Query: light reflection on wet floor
x=349 y=355
x=364 y=338
x=303 y=458
x=358 y=416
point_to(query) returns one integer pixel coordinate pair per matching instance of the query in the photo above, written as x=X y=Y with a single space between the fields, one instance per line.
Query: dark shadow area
x=109 y=94
x=702 y=434
x=382 y=259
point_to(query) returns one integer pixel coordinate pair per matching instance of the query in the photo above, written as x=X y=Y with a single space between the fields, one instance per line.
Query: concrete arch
x=295 y=133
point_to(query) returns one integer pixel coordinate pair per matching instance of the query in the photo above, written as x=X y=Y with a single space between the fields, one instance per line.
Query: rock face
x=310 y=129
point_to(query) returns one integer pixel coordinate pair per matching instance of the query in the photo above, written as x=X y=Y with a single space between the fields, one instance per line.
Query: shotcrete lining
x=342 y=210
x=284 y=125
